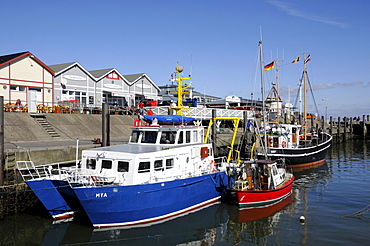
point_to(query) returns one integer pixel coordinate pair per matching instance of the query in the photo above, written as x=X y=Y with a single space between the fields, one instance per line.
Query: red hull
x=253 y=198
x=253 y=214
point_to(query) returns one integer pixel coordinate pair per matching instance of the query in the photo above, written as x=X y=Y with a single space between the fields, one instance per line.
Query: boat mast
x=279 y=106
x=305 y=95
x=263 y=100
x=181 y=86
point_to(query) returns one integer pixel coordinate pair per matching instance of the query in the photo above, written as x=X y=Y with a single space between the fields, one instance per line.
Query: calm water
x=325 y=195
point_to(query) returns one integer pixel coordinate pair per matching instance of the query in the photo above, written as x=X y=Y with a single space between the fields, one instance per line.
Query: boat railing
x=205 y=113
x=29 y=171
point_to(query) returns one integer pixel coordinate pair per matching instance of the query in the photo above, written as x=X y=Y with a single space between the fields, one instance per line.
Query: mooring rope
x=360 y=212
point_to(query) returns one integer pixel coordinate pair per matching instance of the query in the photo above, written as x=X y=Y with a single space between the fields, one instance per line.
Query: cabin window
x=158 y=165
x=149 y=137
x=135 y=136
x=144 y=167
x=274 y=170
x=90 y=163
x=195 y=136
x=106 y=164
x=168 y=137
x=181 y=137
x=169 y=163
x=122 y=166
x=188 y=138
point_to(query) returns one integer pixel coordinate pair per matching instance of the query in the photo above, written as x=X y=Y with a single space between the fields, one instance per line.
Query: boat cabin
x=283 y=136
x=167 y=135
x=262 y=175
x=153 y=154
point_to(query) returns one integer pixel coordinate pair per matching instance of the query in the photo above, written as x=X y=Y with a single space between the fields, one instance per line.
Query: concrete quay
x=52 y=138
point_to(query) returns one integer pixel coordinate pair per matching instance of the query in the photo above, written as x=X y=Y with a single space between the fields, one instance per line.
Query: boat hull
x=113 y=206
x=255 y=198
x=57 y=197
x=300 y=157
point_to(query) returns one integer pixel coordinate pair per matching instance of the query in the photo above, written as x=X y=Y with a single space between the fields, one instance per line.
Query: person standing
x=141 y=107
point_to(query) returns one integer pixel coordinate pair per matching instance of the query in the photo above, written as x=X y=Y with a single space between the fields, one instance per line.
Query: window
x=34 y=89
x=149 y=137
x=106 y=164
x=195 y=136
x=181 y=137
x=158 y=165
x=144 y=167
x=123 y=166
x=18 y=88
x=187 y=136
x=135 y=137
x=90 y=163
x=169 y=163
x=168 y=137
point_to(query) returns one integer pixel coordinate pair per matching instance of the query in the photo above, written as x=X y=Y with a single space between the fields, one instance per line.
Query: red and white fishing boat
x=261 y=184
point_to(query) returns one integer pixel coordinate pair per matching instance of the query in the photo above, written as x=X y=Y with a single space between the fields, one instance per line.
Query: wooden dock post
x=105 y=125
x=338 y=133
x=364 y=133
x=331 y=126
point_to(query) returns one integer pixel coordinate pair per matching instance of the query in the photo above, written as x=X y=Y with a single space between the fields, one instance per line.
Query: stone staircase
x=41 y=119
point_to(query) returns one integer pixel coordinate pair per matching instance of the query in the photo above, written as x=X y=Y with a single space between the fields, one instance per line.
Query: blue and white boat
x=163 y=172
x=166 y=170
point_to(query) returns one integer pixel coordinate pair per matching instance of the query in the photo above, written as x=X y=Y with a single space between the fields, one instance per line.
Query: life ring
x=283 y=144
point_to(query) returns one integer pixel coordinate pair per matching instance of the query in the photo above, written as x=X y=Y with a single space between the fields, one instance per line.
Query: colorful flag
x=296 y=59
x=269 y=66
x=307 y=59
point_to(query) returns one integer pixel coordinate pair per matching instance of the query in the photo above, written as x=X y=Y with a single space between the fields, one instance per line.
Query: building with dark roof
x=24 y=77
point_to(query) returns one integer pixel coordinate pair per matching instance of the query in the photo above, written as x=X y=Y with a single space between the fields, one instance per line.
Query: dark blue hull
x=113 y=206
x=53 y=195
x=303 y=156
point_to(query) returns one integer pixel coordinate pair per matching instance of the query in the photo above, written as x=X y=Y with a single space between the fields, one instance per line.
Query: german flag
x=269 y=66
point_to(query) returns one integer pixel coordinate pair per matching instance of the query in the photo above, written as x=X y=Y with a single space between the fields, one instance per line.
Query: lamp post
x=326 y=108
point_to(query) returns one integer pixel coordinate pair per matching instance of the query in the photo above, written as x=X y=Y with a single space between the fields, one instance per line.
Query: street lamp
x=326 y=108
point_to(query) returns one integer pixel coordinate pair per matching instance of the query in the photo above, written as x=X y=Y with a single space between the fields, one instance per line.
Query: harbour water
x=328 y=196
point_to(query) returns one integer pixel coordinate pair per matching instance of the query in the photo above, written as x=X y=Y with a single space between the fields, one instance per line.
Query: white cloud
x=290 y=10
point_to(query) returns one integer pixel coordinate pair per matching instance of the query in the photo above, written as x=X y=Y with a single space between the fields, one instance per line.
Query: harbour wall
x=52 y=138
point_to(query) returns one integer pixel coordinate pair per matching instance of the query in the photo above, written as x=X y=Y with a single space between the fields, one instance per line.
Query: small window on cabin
x=181 y=137
x=122 y=166
x=90 y=163
x=144 y=167
x=135 y=137
x=149 y=137
x=106 y=164
x=158 y=165
x=188 y=136
x=169 y=163
x=195 y=136
x=274 y=170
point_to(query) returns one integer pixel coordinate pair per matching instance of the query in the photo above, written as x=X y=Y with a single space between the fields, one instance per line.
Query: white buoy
x=302 y=219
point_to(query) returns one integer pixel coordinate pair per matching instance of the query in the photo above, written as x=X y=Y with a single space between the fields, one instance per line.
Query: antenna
x=261 y=33
x=191 y=64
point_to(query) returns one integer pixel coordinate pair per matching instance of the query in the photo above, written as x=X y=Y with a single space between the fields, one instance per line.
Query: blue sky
x=216 y=41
